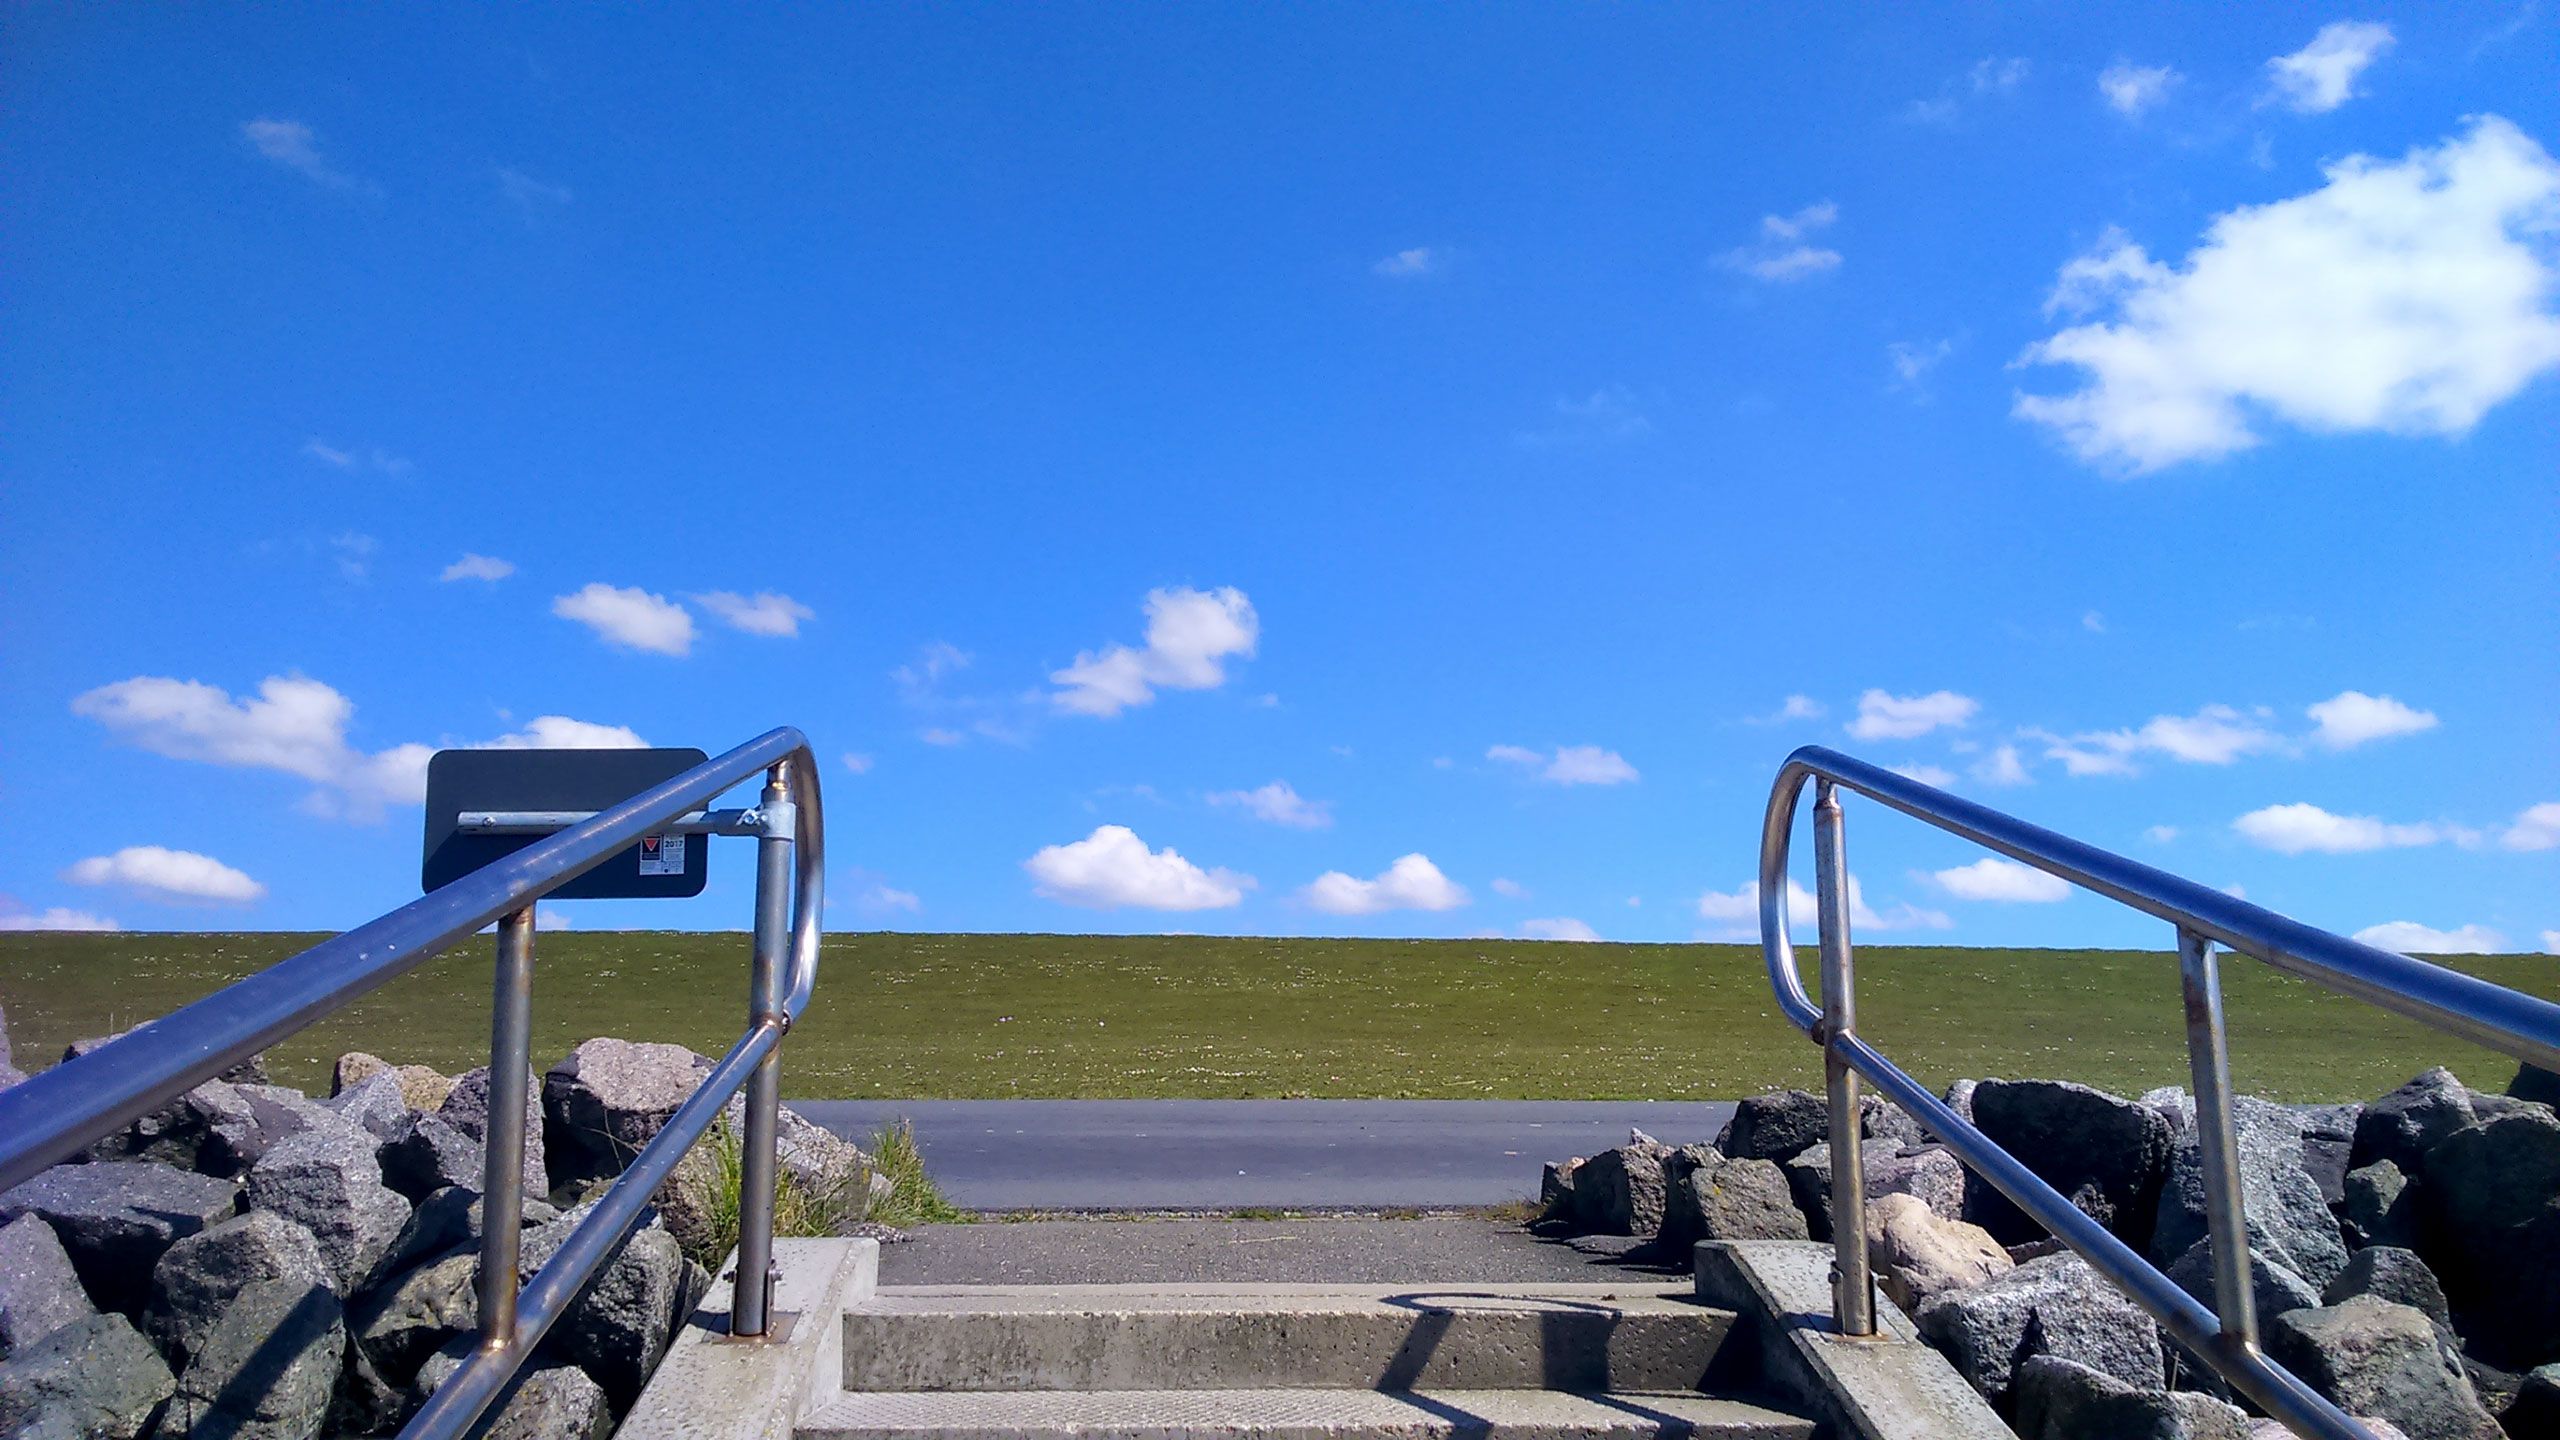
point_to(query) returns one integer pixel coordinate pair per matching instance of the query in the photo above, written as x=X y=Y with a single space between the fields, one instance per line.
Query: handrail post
x=1853 y=1300
x=750 y=1306
x=2209 y=1062
x=502 y=1162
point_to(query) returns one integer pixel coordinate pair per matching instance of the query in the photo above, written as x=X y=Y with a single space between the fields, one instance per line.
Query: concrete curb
x=1892 y=1387
x=712 y=1388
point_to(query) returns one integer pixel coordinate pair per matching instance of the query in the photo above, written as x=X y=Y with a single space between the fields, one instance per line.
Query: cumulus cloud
x=1796 y=707
x=2002 y=766
x=1190 y=636
x=763 y=613
x=1913 y=360
x=2551 y=942
x=1509 y=889
x=1411 y=883
x=1562 y=927
x=2352 y=718
x=1568 y=764
x=1607 y=415
x=12 y=917
x=2214 y=735
x=1279 y=804
x=1991 y=878
x=1112 y=868
x=2406 y=297
x=1413 y=264
x=157 y=873
x=2537 y=828
x=291 y=144
x=2410 y=938
x=2160 y=834
x=1737 y=912
x=478 y=567
x=1884 y=716
x=1991 y=75
x=2301 y=828
x=857 y=762
x=2132 y=89
x=2321 y=76
x=882 y=899
x=1927 y=774
x=1784 y=252
x=630 y=618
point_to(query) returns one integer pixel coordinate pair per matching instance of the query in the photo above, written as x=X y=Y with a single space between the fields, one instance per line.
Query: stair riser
x=1294 y=1415
x=1246 y=1430
x=1534 y=1349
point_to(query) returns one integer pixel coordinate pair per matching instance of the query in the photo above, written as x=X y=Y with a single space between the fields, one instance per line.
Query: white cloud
x=2551 y=942
x=2299 y=828
x=1190 y=635
x=1609 y=414
x=2352 y=717
x=2131 y=89
x=2410 y=938
x=1568 y=764
x=1413 y=264
x=1509 y=889
x=1993 y=75
x=1991 y=878
x=57 y=918
x=1912 y=361
x=559 y=732
x=1883 y=716
x=857 y=762
x=157 y=873
x=2161 y=834
x=353 y=551
x=1797 y=707
x=1279 y=804
x=880 y=899
x=478 y=567
x=1112 y=867
x=2321 y=76
x=937 y=735
x=2002 y=767
x=764 y=613
x=291 y=144
x=339 y=457
x=1738 y=911
x=2537 y=828
x=1784 y=252
x=1927 y=774
x=632 y=618
x=2214 y=735
x=2406 y=297
x=1411 y=883
x=1562 y=927
x=2093 y=622
x=532 y=198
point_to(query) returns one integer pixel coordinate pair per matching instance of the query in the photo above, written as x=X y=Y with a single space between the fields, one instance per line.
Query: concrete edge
x=1892 y=1387
x=712 y=1388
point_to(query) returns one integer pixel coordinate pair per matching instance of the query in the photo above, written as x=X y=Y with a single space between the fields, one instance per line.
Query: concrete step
x=1578 y=1337
x=1292 y=1414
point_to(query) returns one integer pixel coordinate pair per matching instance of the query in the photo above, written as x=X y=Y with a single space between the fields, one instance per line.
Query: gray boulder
x=93 y=1379
x=1931 y=1174
x=467 y=1109
x=209 y=1129
x=1622 y=1191
x=608 y=1099
x=2404 y=1125
x=267 y=1369
x=2052 y=1305
x=2489 y=1211
x=1775 y=1126
x=1711 y=1196
x=1959 y=1098
x=282 y=1112
x=2535 y=1412
x=2387 y=1272
x=1919 y=1254
x=195 y=1283
x=2371 y=1357
x=2262 y=1428
x=2328 y=1143
x=624 y=1320
x=39 y=1291
x=2288 y=1216
x=328 y=1181
x=1555 y=1190
x=427 y=1153
x=252 y=1071
x=2531 y=1082
x=2106 y=1154
x=399 y=1324
x=116 y=1219
x=376 y=1104
x=1888 y=1124
x=2275 y=1288
x=545 y=1402
x=2061 y=1399
x=2379 y=1208
x=445 y=1221
x=808 y=1152
x=421 y=1087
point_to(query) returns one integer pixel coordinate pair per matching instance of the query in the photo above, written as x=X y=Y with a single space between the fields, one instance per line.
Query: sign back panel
x=660 y=867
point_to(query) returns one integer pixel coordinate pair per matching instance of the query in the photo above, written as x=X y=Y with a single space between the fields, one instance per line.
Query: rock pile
x=2405 y=1254
x=253 y=1262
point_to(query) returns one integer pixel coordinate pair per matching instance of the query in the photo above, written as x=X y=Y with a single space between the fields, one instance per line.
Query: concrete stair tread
x=1334 y=1414
x=1654 y=1298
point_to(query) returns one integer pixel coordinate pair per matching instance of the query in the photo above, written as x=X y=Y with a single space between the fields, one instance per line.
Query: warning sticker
x=662 y=854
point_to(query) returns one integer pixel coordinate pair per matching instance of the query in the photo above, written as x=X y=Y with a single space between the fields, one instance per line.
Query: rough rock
x=282 y=1112
x=2288 y=1217
x=421 y=1087
x=1959 y=1098
x=252 y=1071
x=1555 y=1189
x=2379 y=1209
x=2404 y=1125
x=400 y=1324
x=546 y=1402
x=267 y=1369
x=39 y=1291
x=467 y=1109
x=2052 y=1305
x=2535 y=1413
x=1889 y=1125
x=2489 y=1213
x=445 y=1221
x=623 y=1322
x=608 y=1099
x=2274 y=1287
x=427 y=1153
x=376 y=1104
x=2328 y=1143
x=208 y=1129
x=1622 y=1191
x=2108 y=1155
x=1931 y=1174
x=1711 y=1196
x=328 y=1181
x=2387 y=1272
x=93 y=1379
x=2262 y=1428
x=2061 y=1399
x=200 y=1276
x=2371 y=1357
x=1775 y=1126
x=116 y=1219
x=1918 y=1254
x=805 y=1150
x=2531 y=1082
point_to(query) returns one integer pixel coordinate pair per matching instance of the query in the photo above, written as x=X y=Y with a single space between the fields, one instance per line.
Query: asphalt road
x=1239 y=1154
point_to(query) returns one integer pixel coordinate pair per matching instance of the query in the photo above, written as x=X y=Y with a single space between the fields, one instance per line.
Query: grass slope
x=1063 y=1016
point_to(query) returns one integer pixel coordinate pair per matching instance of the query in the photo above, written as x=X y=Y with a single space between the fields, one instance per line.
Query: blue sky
x=1399 y=471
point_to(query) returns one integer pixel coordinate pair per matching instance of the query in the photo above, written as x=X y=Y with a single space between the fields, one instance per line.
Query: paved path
x=1341 y=1251
x=1235 y=1154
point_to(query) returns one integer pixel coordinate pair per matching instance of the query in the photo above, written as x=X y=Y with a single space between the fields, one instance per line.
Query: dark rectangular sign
x=659 y=867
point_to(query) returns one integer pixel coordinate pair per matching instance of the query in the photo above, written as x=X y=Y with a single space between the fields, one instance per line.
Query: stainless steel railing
x=49 y=1118
x=2224 y=1336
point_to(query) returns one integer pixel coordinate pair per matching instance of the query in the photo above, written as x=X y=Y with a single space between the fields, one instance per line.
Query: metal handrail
x=2225 y=1336
x=52 y=1116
